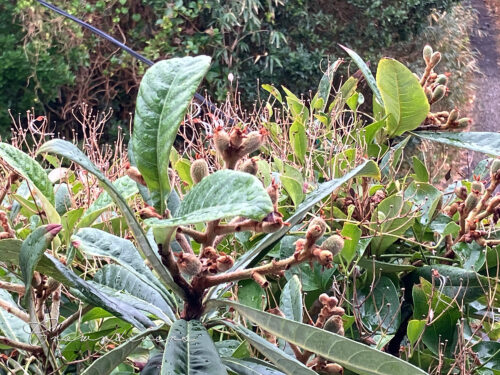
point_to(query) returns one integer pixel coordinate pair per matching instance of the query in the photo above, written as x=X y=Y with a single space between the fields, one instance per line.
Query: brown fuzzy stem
x=35 y=349
x=183 y=243
x=14 y=311
x=16 y=288
x=199 y=237
x=274 y=267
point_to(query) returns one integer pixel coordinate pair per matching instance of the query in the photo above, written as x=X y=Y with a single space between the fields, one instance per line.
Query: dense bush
x=278 y=42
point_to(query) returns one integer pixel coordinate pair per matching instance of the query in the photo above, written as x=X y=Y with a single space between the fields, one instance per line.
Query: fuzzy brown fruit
x=334 y=244
x=199 y=170
x=188 y=264
x=249 y=166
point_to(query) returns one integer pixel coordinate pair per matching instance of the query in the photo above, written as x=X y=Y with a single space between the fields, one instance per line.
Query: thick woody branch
x=20 y=345
x=168 y=261
x=183 y=243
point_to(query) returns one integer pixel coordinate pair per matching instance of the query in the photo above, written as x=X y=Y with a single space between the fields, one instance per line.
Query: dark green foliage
x=276 y=42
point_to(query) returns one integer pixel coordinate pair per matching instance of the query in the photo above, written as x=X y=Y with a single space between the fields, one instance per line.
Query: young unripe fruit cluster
x=236 y=144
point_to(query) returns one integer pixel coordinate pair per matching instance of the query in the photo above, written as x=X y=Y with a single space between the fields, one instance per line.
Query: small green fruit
x=471 y=202
x=453 y=115
x=442 y=79
x=494 y=168
x=438 y=93
x=463 y=122
x=477 y=186
x=199 y=170
x=427 y=53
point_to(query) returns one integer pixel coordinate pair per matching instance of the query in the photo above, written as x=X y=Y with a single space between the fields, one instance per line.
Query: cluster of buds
x=324 y=254
x=475 y=206
x=214 y=262
x=330 y=319
x=236 y=144
x=435 y=88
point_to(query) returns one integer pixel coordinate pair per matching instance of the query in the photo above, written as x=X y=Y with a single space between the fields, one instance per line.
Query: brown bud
x=188 y=264
x=252 y=142
x=461 y=192
x=236 y=137
x=273 y=191
x=135 y=175
x=199 y=170
x=221 y=140
x=435 y=58
x=335 y=324
x=149 y=212
x=249 y=166
x=224 y=262
x=210 y=253
x=333 y=369
x=316 y=229
x=334 y=244
x=451 y=209
x=324 y=257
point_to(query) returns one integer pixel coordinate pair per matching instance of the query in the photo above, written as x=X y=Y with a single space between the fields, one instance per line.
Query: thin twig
x=35 y=349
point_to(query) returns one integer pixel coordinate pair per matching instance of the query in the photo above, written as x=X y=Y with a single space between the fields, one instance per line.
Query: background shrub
x=48 y=60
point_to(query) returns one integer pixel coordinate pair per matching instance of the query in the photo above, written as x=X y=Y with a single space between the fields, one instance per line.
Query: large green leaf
x=485 y=142
x=36 y=176
x=11 y=326
x=92 y=295
x=164 y=96
x=190 y=350
x=124 y=185
x=249 y=367
x=325 y=85
x=350 y=354
x=290 y=365
x=390 y=220
x=298 y=139
x=119 y=279
x=71 y=152
x=32 y=251
x=99 y=243
x=108 y=362
x=404 y=99
x=427 y=299
x=225 y=193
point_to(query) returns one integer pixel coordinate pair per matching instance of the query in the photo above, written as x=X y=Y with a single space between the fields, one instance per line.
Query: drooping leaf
x=32 y=251
x=352 y=233
x=99 y=243
x=291 y=300
x=94 y=296
x=350 y=354
x=404 y=99
x=36 y=176
x=164 y=96
x=11 y=326
x=488 y=353
x=249 y=367
x=225 y=193
x=108 y=362
x=485 y=142
x=414 y=330
x=121 y=279
x=366 y=72
x=71 y=152
x=190 y=350
x=124 y=185
x=279 y=358
x=389 y=220
x=464 y=285
x=325 y=85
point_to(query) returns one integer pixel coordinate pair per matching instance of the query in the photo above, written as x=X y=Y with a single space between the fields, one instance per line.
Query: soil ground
x=486 y=109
